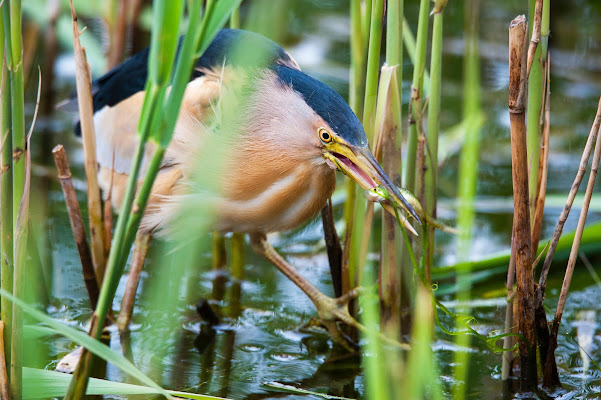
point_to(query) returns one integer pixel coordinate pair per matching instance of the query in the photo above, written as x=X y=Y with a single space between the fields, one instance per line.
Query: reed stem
x=565 y=287
x=358 y=40
x=86 y=117
x=518 y=38
x=358 y=242
x=77 y=224
x=416 y=102
x=6 y=201
x=141 y=245
x=536 y=79
x=431 y=151
x=391 y=136
x=467 y=181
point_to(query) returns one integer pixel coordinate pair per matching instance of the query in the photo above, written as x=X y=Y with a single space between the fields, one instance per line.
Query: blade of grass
x=40 y=383
x=82 y=339
x=467 y=182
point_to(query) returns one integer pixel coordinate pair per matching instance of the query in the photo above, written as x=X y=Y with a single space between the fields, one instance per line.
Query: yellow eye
x=324 y=135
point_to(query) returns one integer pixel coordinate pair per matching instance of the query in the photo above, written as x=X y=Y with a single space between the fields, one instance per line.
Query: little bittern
x=293 y=132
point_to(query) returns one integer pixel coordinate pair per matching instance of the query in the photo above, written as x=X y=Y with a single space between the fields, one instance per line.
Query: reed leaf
x=91 y=344
x=40 y=383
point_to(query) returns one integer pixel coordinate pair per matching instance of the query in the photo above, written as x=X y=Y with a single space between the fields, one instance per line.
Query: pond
x=261 y=336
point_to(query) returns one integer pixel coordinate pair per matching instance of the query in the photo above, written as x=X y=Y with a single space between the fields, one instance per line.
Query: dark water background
x=265 y=343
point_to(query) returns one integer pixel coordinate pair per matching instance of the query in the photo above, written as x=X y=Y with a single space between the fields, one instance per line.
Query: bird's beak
x=360 y=164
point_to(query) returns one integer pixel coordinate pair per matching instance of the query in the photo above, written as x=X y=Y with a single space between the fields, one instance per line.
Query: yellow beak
x=360 y=164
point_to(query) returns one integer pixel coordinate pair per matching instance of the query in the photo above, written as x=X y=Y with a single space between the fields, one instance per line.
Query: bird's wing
x=116 y=126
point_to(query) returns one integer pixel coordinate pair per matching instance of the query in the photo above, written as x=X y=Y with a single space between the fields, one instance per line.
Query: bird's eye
x=324 y=135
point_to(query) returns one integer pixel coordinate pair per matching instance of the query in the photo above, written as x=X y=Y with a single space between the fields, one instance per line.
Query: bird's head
x=336 y=135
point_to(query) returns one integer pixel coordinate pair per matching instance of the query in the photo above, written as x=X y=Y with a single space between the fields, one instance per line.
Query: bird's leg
x=330 y=310
x=127 y=304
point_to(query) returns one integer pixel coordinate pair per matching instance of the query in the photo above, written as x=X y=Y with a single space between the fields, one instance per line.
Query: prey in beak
x=360 y=164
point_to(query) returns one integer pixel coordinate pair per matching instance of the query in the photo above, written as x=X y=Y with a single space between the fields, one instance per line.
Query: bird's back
x=230 y=47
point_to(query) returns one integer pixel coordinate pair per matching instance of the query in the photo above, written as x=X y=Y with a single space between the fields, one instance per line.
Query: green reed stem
x=6 y=201
x=431 y=150
x=416 y=104
x=390 y=107
x=535 y=106
x=409 y=42
x=468 y=174
x=356 y=258
x=237 y=262
x=358 y=43
x=14 y=53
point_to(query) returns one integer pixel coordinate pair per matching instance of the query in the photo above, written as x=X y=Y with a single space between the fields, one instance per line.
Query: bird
x=292 y=134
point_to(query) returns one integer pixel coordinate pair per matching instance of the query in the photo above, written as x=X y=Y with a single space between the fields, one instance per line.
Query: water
x=260 y=338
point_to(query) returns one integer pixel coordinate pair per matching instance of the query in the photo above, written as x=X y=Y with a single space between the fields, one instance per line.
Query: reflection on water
x=259 y=337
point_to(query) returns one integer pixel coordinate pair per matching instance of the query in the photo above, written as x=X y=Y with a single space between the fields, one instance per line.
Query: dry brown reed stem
x=117 y=35
x=50 y=52
x=77 y=224
x=389 y=141
x=86 y=116
x=543 y=164
x=518 y=37
x=129 y=297
x=4 y=383
x=588 y=148
x=565 y=287
x=538 y=14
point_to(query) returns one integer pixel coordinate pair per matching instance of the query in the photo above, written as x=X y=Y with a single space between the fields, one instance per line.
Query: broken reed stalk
x=127 y=304
x=565 y=287
x=518 y=37
x=543 y=163
x=393 y=272
x=86 y=118
x=77 y=224
x=390 y=136
x=4 y=383
x=430 y=170
x=416 y=102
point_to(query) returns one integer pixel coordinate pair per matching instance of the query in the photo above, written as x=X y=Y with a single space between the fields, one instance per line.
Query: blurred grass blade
x=82 y=339
x=41 y=383
x=221 y=14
